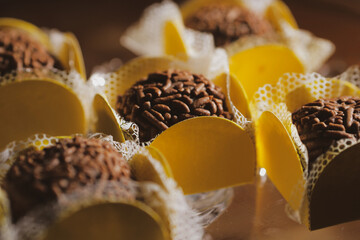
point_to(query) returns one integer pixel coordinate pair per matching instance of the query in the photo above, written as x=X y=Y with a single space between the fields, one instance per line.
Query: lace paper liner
x=85 y=92
x=311 y=50
x=111 y=84
x=272 y=98
x=169 y=203
x=71 y=79
x=145 y=37
x=97 y=82
x=352 y=75
x=35 y=224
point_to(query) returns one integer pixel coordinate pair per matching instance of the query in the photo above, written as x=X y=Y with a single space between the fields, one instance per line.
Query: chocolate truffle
x=163 y=99
x=227 y=23
x=18 y=50
x=325 y=121
x=40 y=176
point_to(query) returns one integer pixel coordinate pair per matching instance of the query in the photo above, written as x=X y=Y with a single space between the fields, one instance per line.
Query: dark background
x=99 y=24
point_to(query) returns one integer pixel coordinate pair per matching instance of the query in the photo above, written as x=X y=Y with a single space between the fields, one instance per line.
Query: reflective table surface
x=258 y=212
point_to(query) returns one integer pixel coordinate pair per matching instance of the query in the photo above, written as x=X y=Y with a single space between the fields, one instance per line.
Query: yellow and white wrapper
x=63 y=45
x=151 y=207
x=50 y=100
x=58 y=103
x=327 y=194
x=163 y=21
x=213 y=143
x=254 y=60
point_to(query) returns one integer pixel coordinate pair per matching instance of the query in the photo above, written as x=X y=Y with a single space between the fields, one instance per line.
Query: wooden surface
x=257 y=211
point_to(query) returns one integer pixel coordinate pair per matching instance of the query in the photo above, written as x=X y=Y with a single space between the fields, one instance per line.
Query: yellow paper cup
x=253 y=60
x=150 y=206
x=206 y=139
x=30 y=104
x=283 y=155
x=55 y=103
x=63 y=46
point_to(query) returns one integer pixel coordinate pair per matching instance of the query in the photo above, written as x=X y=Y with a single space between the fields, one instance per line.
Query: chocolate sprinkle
x=41 y=176
x=19 y=51
x=165 y=98
x=325 y=121
x=227 y=23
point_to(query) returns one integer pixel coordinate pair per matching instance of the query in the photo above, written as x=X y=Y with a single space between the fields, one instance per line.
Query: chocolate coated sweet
x=40 y=176
x=18 y=50
x=227 y=23
x=324 y=121
x=163 y=99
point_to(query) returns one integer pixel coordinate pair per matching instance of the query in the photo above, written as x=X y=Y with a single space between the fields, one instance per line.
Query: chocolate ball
x=227 y=23
x=163 y=99
x=325 y=121
x=18 y=50
x=40 y=176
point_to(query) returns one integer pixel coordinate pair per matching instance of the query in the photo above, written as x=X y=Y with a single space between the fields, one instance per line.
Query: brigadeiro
x=227 y=23
x=163 y=99
x=40 y=176
x=325 y=121
x=18 y=50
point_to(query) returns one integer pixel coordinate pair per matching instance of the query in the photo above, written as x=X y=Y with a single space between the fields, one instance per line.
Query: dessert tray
x=219 y=128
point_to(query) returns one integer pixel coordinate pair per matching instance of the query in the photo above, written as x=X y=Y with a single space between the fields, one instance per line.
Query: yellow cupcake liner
x=327 y=194
x=63 y=45
x=111 y=83
x=206 y=139
x=41 y=100
x=56 y=103
x=152 y=207
x=351 y=75
x=253 y=60
x=161 y=32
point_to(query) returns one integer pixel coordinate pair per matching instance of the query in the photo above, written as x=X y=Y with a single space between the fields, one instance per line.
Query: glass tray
x=211 y=205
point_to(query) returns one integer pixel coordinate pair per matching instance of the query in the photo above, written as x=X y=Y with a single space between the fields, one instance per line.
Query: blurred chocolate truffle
x=325 y=121
x=40 y=176
x=18 y=50
x=227 y=23
x=163 y=99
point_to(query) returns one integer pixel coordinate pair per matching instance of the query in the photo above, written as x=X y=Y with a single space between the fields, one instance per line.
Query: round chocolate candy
x=40 y=176
x=163 y=99
x=325 y=121
x=227 y=23
x=18 y=50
